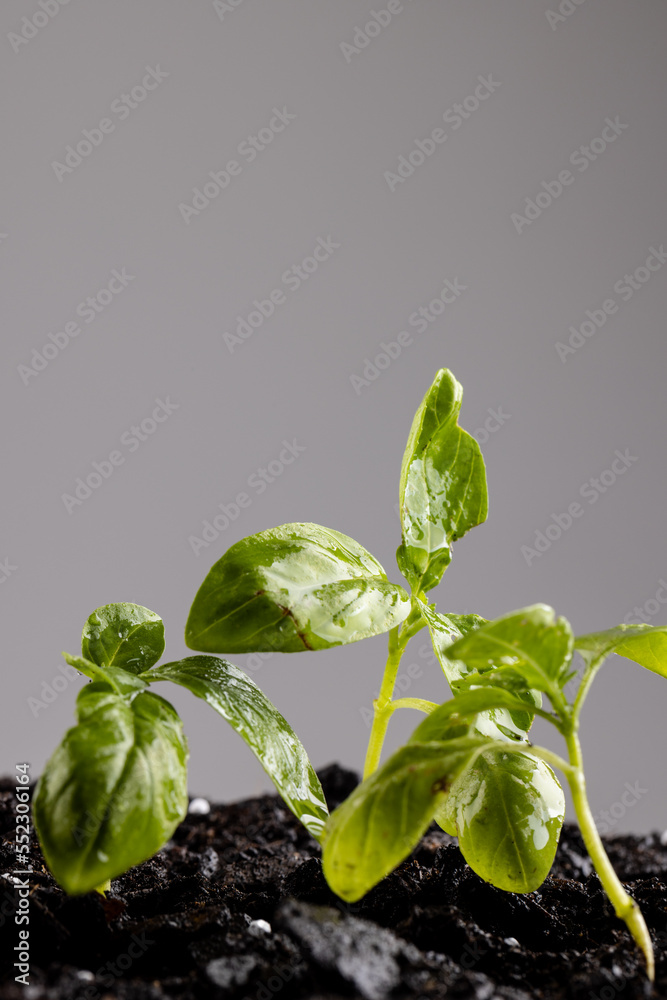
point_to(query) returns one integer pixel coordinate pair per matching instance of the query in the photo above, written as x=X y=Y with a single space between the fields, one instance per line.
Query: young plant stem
x=419 y=704
x=383 y=706
x=381 y=711
x=624 y=906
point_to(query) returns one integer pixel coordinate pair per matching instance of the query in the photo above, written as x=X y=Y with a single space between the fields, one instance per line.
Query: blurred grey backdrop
x=230 y=225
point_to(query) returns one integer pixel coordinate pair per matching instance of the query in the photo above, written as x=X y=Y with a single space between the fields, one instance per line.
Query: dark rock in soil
x=236 y=906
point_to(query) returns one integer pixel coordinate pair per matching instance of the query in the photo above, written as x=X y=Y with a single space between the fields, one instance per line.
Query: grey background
x=323 y=176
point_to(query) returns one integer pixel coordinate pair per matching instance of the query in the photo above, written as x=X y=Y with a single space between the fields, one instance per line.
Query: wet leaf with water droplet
x=442 y=486
x=383 y=819
x=530 y=648
x=296 y=587
x=497 y=784
x=507 y=811
x=115 y=789
x=123 y=635
x=270 y=737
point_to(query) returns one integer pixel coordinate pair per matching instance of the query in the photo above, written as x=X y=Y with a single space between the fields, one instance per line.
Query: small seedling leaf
x=114 y=790
x=270 y=737
x=383 y=819
x=497 y=723
x=121 y=681
x=295 y=587
x=645 y=644
x=123 y=635
x=507 y=811
x=442 y=486
x=529 y=647
x=465 y=708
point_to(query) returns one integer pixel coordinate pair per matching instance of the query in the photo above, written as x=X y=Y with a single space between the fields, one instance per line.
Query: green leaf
x=114 y=790
x=123 y=635
x=645 y=644
x=512 y=786
x=464 y=708
x=507 y=812
x=497 y=723
x=296 y=587
x=121 y=681
x=270 y=737
x=529 y=647
x=442 y=487
x=383 y=819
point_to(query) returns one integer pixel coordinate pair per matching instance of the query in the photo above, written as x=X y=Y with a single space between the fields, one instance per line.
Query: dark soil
x=236 y=906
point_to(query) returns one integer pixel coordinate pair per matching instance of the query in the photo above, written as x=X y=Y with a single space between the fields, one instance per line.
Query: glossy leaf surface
x=383 y=819
x=123 y=635
x=645 y=644
x=296 y=587
x=121 y=681
x=270 y=737
x=529 y=647
x=507 y=812
x=442 y=486
x=115 y=789
x=465 y=707
x=522 y=788
x=497 y=723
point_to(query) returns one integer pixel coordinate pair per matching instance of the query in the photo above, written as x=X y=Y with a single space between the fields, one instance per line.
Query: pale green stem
x=383 y=706
x=549 y=757
x=624 y=906
x=589 y=675
x=381 y=710
x=419 y=704
x=104 y=887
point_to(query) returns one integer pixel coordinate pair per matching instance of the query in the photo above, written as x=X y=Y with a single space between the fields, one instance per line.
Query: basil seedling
x=469 y=765
x=115 y=789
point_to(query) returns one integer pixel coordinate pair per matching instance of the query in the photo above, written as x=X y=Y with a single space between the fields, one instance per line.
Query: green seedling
x=115 y=789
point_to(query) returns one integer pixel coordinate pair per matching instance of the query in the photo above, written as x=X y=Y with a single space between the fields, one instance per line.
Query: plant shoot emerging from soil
x=115 y=789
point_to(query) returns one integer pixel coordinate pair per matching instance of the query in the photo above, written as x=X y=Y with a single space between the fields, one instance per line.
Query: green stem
x=591 y=670
x=549 y=757
x=624 y=906
x=382 y=711
x=419 y=704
